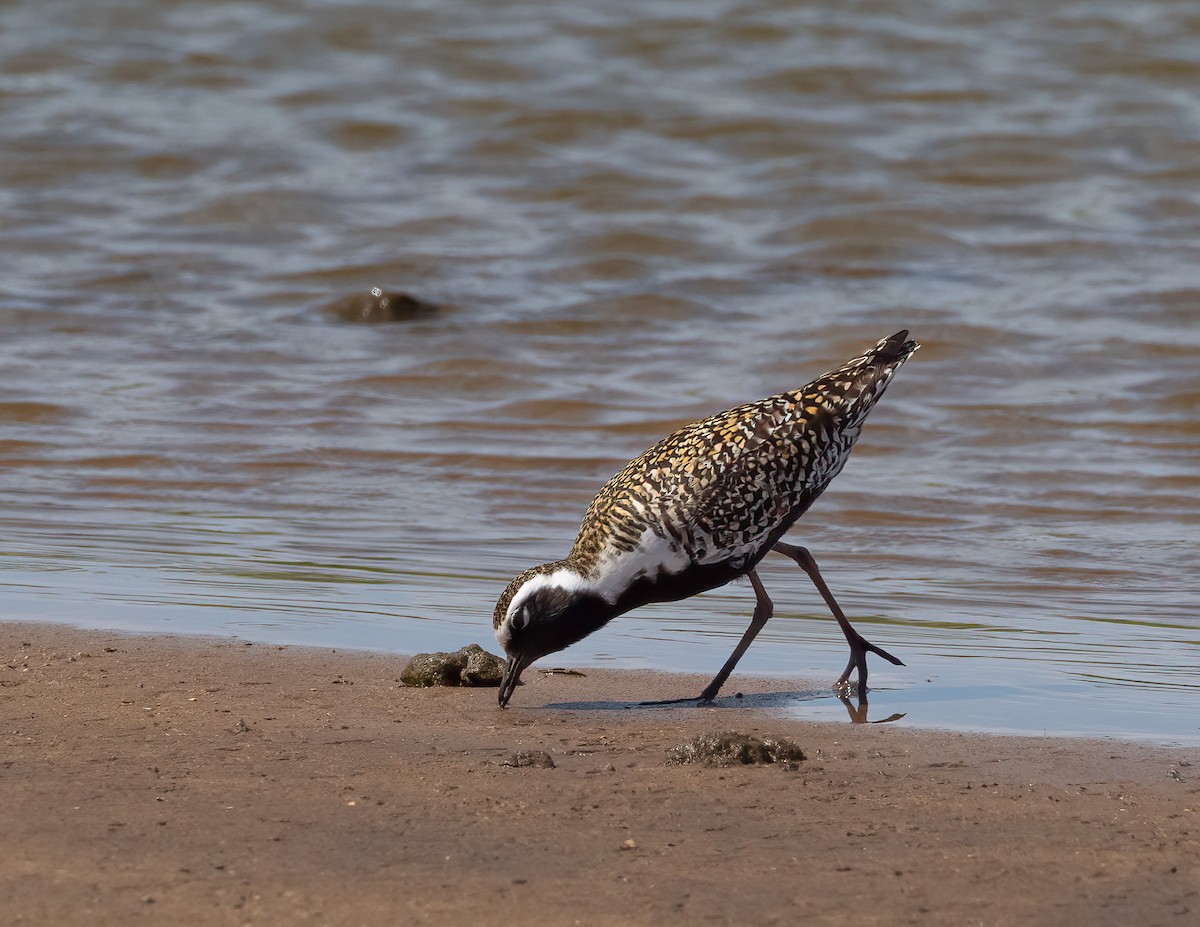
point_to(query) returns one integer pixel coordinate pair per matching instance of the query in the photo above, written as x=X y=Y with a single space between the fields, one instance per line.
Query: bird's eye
x=519 y=619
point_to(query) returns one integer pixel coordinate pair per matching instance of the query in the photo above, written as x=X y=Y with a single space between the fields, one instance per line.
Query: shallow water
x=633 y=216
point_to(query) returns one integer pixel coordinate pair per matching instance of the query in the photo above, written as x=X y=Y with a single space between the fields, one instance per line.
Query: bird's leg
x=763 y=609
x=859 y=645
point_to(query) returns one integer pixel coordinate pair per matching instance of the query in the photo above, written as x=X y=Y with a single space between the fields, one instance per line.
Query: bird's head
x=542 y=611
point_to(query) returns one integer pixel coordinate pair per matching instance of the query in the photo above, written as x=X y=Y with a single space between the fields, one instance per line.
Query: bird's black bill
x=510 y=680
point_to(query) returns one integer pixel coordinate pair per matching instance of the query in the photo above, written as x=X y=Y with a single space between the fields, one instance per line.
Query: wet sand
x=181 y=780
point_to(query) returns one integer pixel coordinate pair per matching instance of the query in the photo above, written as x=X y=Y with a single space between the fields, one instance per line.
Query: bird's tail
x=892 y=351
x=856 y=386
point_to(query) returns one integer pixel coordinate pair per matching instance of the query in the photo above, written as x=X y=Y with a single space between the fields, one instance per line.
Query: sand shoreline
x=157 y=779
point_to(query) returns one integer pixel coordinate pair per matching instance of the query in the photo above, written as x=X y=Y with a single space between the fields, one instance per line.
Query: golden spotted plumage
x=698 y=510
x=720 y=487
x=725 y=488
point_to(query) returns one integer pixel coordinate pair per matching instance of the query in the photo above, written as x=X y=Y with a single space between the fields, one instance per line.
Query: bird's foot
x=859 y=648
x=845 y=689
x=880 y=652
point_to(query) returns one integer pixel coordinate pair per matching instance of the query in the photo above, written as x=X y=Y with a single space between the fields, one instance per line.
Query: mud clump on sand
x=728 y=748
x=538 y=759
x=470 y=666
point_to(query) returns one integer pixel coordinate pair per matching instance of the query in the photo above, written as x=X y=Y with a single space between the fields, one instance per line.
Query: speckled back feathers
x=723 y=488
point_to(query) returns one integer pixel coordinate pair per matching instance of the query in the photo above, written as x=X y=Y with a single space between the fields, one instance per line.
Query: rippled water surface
x=632 y=215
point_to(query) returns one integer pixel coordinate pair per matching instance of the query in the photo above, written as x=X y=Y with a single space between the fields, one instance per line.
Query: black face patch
x=518 y=583
x=539 y=610
x=552 y=618
x=547 y=602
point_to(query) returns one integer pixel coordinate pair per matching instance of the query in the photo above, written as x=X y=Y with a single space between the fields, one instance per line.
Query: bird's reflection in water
x=858 y=711
x=856 y=708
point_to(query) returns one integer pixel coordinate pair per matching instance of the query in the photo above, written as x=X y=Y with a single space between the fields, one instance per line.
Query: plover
x=700 y=508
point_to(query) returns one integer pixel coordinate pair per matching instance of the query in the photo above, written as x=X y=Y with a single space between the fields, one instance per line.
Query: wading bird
x=700 y=508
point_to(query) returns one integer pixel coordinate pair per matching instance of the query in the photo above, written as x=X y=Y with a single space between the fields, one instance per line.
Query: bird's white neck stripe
x=562 y=578
x=614 y=574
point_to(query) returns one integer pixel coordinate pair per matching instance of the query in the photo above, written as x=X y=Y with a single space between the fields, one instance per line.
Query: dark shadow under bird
x=701 y=508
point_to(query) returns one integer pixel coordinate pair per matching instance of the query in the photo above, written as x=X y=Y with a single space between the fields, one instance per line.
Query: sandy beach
x=165 y=780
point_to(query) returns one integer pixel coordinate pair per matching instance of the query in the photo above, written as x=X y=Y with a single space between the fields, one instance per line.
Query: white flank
x=618 y=570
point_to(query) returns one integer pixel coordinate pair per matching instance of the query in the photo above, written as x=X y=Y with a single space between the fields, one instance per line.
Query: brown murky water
x=632 y=215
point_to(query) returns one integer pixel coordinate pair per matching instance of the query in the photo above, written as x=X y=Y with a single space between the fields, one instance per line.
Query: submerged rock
x=380 y=306
x=470 y=666
x=728 y=748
